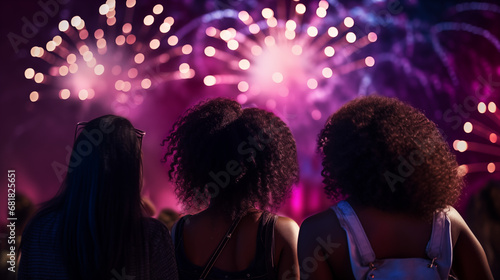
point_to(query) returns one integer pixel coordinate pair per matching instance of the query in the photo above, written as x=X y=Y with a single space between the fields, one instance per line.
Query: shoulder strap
x=350 y=222
x=220 y=248
x=268 y=223
x=434 y=247
x=177 y=230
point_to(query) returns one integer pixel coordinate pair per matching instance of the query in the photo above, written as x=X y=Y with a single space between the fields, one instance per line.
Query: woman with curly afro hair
x=396 y=180
x=235 y=165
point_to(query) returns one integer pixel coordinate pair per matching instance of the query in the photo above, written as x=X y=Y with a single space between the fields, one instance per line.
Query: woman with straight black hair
x=95 y=227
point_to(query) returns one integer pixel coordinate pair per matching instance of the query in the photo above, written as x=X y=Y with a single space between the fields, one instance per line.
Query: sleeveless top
x=262 y=267
x=365 y=265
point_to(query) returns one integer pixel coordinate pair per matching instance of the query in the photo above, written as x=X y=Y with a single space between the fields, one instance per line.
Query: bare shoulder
x=286 y=230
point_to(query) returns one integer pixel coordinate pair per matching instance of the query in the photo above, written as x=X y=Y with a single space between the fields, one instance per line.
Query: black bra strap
x=220 y=247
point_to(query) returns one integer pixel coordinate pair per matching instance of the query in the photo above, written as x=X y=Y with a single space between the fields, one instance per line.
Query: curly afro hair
x=381 y=152
x=237 y=158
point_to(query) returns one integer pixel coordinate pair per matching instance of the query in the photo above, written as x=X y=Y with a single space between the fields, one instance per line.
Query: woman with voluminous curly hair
x=396 y=180
x=235 y=165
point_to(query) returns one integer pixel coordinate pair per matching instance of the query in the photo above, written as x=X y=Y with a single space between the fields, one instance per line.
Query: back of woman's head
x=234 y=157
x=100 y=198
x=384 y=153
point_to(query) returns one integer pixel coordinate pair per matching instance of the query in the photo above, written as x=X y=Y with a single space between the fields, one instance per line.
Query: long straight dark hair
x=100 y=200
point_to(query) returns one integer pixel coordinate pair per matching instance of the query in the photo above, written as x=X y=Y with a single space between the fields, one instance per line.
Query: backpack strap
x=220 y=247
x=350 y=222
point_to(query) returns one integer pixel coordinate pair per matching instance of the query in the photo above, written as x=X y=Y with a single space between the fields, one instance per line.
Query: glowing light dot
x=169 y=20
x=71 y=58
x=146 y=83
x=209 y=80
x=29 y=73
x=291 y=25
x=232 y=44
x=103 y=9
x=73 y=68
x=243 y=16
x=64 y=94
x=349 y=22
x=131 y=39
x=111 y=21
x=225 y=35
x=244 y=64
x=290 y=34
x=267 y=13
x=120 y=40
x=139 y=58
x=372 y=37
x=312 y=31
x=87 y=56
x=333 y=32
x=101 y=43
x=461 y=146
x=350 y=37
x=51 y=46
x=209 y=51
x=312 y=83
x=242 y=98
x=92 y=62
x=323 y=4
x=463 y=170
x=296 y=50
x=277 y=77
x=254 y=28
x=269 y=41
x=39 y=78
x=493 y=138
x=132 y=73
x=36 y=51
x=154 y=44
x=63 y=70
x=321 y=12
x=327 y=72
x=34 y=96
x=99 y=69
x=187 y=49
x=369 y=61
x=76 y=21
x=148 y=20
x=491 y=167
x=300 y=9
x=63 y=25
x=57 y=40
x=272 y=22
x=127 y=86
x=84 y=34
x=127 y=28
x=119 y=85
x=172 y=40
x=165 y=27
x=492 y=107
x=157 y=9
x=83 y=94
x=329 y=51
x=243 y=86
x=130 y=3
x=83 y=49
x=256 y=50
x=184 y=68
x=481 y=107
x=316 y=114
x=468 y=127
x=211 y=31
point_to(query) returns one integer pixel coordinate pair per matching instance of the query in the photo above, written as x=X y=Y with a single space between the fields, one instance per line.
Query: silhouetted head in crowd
x=99 y=200
x=231 y=158
x=383 y=153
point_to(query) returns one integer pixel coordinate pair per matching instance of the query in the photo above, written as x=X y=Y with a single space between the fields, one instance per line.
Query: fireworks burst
x=120 y=58
x=278 y=59
x=487 y=142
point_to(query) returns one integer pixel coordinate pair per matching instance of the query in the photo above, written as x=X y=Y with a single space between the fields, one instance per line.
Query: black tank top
x=262 y=267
